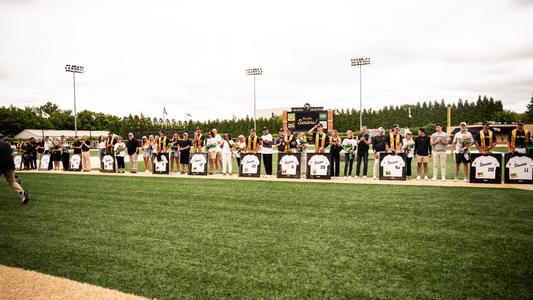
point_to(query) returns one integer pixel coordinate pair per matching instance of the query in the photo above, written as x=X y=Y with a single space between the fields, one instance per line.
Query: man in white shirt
x=439 y=141
x=461 y=143
x=266 y=151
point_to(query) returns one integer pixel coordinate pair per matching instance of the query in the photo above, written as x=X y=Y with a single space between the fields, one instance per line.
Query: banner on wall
x=75 y=163
x=161 y=164
x=250 y=165
x=392 y=166
x=289 y=165
x=518 y=168
x=108 y=164
x=198 y=164
x=44 y=164
x=318 y=165
x=485 y=168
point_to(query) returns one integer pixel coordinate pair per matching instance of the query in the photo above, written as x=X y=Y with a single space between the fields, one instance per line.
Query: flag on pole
x=165 y=111
x=44 y=115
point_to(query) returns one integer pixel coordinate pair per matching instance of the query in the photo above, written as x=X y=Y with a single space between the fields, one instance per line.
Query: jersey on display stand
x=75 y=163
x=485 y=168
x=392 y=166
x=108 y=164
x=289 y=165
x=318 y=166
x=161 y=164
x=198 y=164
x=518 y=168
x=45 y=164
x=250 y=165
x=17 y=159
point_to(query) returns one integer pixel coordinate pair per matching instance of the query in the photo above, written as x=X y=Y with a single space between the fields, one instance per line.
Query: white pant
x=439 y=157
x=226 y=161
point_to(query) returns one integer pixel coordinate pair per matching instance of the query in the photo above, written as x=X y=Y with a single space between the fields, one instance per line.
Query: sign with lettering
x=391 y=166
x=518 y=168
x=485 y=168
x=305 y=120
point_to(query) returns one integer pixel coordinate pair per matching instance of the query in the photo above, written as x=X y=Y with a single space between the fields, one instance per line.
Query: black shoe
x=25 y=198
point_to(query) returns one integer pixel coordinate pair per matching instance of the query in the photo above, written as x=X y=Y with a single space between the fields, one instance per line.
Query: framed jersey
x=485 y=168
x=44 y=164
x=392 y=166
x=250 y=165
x=289 y=165
x=75 y=163
x=161 y=164
x=108 y=164
x=198 y=164
x=17 y=159
x=318 y=165
x=518 y=168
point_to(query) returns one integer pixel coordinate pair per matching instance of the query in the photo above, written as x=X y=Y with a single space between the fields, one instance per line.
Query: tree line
x=425 y=114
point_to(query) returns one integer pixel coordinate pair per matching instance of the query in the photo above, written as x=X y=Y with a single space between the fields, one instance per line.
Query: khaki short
x=422 y=159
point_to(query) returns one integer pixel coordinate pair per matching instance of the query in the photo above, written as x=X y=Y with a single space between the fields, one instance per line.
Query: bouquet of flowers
x=301 y=143
x=463 y=140
x=120 y=148
x=66 y=148
x=410 y=144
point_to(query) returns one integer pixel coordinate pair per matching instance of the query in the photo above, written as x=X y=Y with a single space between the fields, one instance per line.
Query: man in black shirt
x=33 y=150
x=363 y=143
x=131 y=145
x=185 y=150
x=422 y=152
x=518 y=139
x=378 y=145
x=393 y=141
x=7 y=168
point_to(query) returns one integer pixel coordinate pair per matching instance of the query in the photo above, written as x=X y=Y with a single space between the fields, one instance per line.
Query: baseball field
x=169 y=238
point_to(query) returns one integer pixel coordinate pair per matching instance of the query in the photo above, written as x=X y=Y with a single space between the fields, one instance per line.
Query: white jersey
x=108 y=162
x=161 y=164
x=318 y=165
x=45 y=161
x=485 y=167
x=267 y=138
x=198 y=163
x=17 y=159
x=250 y=164
x=75 y=161
x=520 y=168
x=289 y=165
x=392 y=166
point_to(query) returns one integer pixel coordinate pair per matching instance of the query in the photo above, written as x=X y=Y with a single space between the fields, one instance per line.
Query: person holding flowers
x=212 y=152
x=349 y=145
x=302 y=143
x=461 y=143
x=408 y=147
x=65 y=154
x=120 y=153
x=55 y=150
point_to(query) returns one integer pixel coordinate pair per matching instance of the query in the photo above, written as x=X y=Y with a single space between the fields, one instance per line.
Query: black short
x=184 y=159
x=460 y=158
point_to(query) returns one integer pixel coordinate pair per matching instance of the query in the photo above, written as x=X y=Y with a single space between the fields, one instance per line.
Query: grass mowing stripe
x=193 y=238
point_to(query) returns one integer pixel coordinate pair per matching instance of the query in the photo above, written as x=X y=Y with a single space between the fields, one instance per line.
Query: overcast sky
x=191 y=55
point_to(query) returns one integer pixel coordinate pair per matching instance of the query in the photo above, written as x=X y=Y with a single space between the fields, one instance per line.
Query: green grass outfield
x=194 y=238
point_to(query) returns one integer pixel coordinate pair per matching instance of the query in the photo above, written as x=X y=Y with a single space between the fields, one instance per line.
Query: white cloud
x=141 y=56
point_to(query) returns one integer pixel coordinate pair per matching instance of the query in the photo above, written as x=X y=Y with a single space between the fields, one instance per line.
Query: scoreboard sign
x=305 y=120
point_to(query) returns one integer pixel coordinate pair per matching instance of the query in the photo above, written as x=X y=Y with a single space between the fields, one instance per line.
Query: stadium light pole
x=80 y=70
x=254 y=72
x=360 y=62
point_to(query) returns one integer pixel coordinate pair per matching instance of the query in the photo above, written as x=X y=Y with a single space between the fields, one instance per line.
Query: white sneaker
x=374 y=178
x=364 y=177
x=443 y=179
x=456 y=179
x=434 y=179
x=426 y=178
x=418 y=178
x=466 y=180
x=356 y=177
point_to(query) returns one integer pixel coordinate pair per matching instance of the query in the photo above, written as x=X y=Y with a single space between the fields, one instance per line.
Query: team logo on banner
x=75 y=162
x=519 y=168
x=485 y=168
x=289 y=165
x=44 y=164
x=108 y=163
x=391 y=166
x=250 y=165
x=17 y=159
x=318 y=166
x=198 y=164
